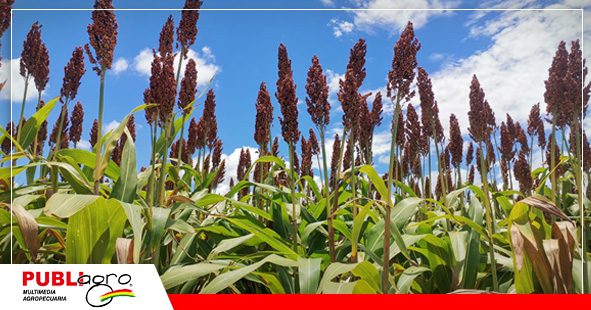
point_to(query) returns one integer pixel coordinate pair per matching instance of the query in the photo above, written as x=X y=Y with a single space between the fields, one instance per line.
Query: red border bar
x=412 y=302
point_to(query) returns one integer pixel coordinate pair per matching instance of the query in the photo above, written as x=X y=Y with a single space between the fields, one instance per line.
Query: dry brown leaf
x=544 y=204
x=29 y=229
x=124 y=248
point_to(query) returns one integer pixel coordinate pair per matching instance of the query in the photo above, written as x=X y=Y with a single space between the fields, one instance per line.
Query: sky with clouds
x=509 y=51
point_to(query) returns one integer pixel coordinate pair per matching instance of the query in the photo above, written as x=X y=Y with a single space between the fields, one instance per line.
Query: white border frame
x=325 y=9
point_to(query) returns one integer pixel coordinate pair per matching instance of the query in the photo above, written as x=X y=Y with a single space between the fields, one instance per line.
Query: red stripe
x=414 y=302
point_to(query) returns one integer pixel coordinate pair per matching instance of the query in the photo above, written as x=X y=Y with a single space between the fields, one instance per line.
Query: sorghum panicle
x=286 y=95
x=456 y=141
x=478 y=116
x=557 y=87
x=187 y=30
x=76 y=121
x=65 y=126
x=404 y=63
x=188 y=87
x=317 y=90
x=210 y=121
x=264 y=117
x=470 y=154
x=102 y=35
x=73 y=72
x=334 y=162
x=313 y=142
x=523 y=172
x=6 y=143
x=192 y=139
x=93 y=132
x=429 y=108
x=217 y=153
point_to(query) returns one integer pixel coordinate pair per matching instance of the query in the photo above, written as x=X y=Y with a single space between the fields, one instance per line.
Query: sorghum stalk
x=294 y=221
x=489 y=218
x=387 y=219
x=22 y=114
x=552 y=162
x=579 y=180
x=178 y=77
x=329 y=215
x=353 y=192
x=439 y=166
x=98 y=146
x=58 y=143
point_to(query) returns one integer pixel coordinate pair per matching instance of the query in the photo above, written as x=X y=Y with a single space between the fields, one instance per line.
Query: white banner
x=82 y=287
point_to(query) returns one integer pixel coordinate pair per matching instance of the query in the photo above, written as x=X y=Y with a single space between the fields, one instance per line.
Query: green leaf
x=266 y=235
x=472 y=262
x=66 y=205
x=88 y=159
x=332 y=271
x=228 y=244
x=134 y=216
x=408 y=276
x=176 y=276
x=376 y=180
x=92 y=232
x=226 y=279
x=32 y=125
x=126 y=186
x=369 y=273
x=309 y=274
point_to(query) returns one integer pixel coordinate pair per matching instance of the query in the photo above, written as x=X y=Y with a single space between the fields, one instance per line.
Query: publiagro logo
x=101 y=289
x=101 y=292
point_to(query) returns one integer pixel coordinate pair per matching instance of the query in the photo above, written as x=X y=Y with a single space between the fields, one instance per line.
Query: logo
x=101 y=293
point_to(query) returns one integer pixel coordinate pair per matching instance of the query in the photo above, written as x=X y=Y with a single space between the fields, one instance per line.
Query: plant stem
x=294 y=221
x=442 y=178
x=180 y=148
x=35 y=143
x=579 y=180
x=552 y=161
x=150 y=193
x=353 y=192
x=331 y=245
x=489 y=218
x=99 y=135
x=22 y=115
x=387 y=220
x=163 y=168
x=58 y=144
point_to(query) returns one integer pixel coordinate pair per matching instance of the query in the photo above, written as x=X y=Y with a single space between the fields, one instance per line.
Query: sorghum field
x=277 y=230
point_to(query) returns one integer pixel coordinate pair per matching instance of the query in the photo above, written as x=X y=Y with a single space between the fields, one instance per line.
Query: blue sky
x=509 y=51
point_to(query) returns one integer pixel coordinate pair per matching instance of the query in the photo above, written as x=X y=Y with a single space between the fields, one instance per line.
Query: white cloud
x=513 y=69
x=327 y=2
x=395 y=20
x=84 y=145
x=232 y=165
x=18 y=83
x=110 y=126
x=333 y=81
x=340 y=27
x=120 y=65
x=206 y=68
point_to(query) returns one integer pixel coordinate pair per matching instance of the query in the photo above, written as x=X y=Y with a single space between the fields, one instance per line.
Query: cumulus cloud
x=327 y=2
x=110 y=126
x=205 y=60
x=18 y=83
x=513 y=69
x=84 y=145
x=120 y=65
x=340 y=27
x=395 y=20
x=232 y=165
